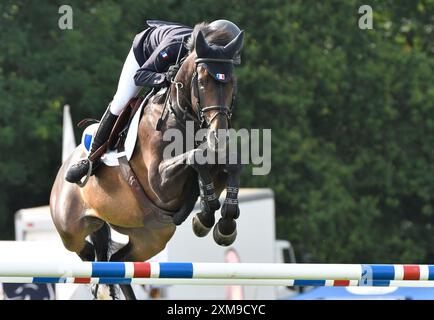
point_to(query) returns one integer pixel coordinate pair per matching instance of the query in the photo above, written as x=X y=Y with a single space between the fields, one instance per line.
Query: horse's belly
x=111 y=200
x=119 y=213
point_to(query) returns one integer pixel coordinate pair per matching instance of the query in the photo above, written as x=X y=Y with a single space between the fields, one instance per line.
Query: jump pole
x=187 y=270
x=224 y=282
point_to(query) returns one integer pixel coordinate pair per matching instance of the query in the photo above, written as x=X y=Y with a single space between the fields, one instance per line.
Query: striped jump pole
x=187 y=270
x=223 y=282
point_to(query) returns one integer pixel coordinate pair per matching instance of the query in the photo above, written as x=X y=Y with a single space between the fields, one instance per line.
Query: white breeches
x=127 y=89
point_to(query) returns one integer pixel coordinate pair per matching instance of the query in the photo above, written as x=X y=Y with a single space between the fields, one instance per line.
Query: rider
x=151 y=62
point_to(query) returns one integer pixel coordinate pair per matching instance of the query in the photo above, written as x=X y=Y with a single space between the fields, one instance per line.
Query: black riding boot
x=77 y=171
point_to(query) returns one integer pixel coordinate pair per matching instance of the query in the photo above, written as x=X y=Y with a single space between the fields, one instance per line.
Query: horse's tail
x=101 y=240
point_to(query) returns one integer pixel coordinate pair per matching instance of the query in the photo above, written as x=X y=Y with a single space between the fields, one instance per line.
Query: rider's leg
x=78 y=170
x=125 y=91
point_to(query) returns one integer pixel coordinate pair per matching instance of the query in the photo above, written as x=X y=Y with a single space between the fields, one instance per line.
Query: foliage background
x=351 y=111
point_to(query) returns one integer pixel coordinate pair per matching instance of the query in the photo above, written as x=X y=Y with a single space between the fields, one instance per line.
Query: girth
x=150 y=210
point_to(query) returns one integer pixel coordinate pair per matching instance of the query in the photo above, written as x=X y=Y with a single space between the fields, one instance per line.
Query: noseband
x=225 y=110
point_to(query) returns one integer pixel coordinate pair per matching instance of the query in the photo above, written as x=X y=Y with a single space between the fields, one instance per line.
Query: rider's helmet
x=230 y=28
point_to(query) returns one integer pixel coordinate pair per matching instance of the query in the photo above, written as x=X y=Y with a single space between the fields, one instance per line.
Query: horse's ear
x=235 y=45
x=201 y=45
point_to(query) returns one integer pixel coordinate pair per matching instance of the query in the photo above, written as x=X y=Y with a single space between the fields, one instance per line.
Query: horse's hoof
x=94 y=290
x=199 y=228
x=223 y=239
x=101 y=292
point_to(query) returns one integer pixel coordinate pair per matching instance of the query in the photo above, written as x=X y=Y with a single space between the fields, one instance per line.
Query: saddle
x=123 y=122
x=120 y=129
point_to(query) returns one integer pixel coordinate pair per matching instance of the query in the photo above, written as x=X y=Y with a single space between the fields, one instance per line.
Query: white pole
x=79 y=269
x=228 y=282
x=278 y=271
x=304 y=271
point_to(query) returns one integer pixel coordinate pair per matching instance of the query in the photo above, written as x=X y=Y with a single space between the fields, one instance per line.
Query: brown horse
x=171 y=184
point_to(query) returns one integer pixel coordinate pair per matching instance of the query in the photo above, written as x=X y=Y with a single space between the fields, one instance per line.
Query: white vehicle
x=256 y=242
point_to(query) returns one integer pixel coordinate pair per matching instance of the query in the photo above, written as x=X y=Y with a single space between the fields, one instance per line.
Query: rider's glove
x=171 y=73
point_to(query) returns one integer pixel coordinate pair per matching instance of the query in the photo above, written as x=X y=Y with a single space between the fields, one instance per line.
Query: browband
x=199 y=60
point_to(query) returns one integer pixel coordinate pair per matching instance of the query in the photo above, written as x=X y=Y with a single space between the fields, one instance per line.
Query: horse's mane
x=216 y=37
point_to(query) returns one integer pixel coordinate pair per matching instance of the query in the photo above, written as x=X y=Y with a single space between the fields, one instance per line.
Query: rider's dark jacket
x=156 y=49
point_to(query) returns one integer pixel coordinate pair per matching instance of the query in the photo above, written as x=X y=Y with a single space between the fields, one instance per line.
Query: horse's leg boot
x=77 y=171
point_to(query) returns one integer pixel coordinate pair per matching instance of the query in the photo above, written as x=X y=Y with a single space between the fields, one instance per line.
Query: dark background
x=351 y=110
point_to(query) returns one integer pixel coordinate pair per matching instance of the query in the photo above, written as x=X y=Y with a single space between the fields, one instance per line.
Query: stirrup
x=84 y=180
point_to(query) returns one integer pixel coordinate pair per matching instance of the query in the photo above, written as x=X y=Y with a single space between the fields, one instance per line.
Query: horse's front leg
x=225 y=231
x=209 y=203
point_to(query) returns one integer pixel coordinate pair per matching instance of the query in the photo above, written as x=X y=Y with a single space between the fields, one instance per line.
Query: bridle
x=201 y=111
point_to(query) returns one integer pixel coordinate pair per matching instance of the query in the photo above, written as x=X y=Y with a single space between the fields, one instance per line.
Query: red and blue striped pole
x=187 y=270
x=217 y=282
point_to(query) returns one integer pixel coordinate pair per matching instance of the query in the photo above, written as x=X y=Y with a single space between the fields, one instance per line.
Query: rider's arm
x=153 y=71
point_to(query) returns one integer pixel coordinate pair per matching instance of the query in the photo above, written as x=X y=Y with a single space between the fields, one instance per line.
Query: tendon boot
x=77 y=171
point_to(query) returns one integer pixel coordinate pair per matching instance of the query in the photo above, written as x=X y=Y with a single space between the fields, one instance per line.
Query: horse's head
x=213 y=53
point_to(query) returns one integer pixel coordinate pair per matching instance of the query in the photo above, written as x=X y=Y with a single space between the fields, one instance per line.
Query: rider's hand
x=171 y=73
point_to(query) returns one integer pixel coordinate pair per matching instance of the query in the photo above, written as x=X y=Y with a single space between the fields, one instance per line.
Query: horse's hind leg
x=70 y=216
x=101 y=240
x=99 y=248
x=124 y=254
x=88 y=252
x=74 y=239
x=144 y=243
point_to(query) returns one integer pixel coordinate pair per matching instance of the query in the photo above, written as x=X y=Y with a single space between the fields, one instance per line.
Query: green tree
x=351 y=111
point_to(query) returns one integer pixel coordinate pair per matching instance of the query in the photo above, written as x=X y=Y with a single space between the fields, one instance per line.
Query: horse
x=171 y=185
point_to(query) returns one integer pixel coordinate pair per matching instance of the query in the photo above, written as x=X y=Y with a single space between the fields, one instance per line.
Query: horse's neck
x=184 y=76
x=180 y=93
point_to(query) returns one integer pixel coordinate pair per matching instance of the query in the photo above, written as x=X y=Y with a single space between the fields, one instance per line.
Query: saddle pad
x=111 y=157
